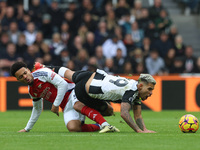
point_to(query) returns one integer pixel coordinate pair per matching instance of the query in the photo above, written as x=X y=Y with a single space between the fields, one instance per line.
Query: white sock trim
x=62 y=70
x=104 y=124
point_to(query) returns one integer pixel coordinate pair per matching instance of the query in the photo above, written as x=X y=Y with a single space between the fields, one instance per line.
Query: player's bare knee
x=74 y=126
x=78 y=106
x=74 y=129
x=108 y=112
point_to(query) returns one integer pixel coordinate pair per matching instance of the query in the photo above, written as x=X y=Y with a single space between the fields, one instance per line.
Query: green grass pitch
x=50 y=133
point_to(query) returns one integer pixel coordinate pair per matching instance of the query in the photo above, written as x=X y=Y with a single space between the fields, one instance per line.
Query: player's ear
x=28 y=69
x=140 y=85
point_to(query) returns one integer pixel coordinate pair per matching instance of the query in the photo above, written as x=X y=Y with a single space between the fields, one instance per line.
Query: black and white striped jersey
x=113 y=88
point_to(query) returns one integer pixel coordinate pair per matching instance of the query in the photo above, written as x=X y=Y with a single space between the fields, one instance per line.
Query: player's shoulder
x=43 y=69
x=130 y=96
x=101 y=72
x=134 y=84
x=41 y=72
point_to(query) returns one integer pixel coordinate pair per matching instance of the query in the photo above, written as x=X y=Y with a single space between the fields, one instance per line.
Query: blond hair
x=147 y=78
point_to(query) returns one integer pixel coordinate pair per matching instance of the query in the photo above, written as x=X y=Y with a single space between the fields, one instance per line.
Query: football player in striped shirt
x=94 y=89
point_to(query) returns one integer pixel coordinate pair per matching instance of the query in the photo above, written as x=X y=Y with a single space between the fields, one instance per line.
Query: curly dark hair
x=16 y=66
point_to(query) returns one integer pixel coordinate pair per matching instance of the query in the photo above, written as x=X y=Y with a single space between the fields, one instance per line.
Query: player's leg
x=74 y=126
x=74 y=120
x=99 y=105
x=74 y=123
x=87 y=111
x=90 y=113
x=62 y=71
x=66 y=73
x=71 y=118
x=109 y=111
x=80 y=78
x=94 y=114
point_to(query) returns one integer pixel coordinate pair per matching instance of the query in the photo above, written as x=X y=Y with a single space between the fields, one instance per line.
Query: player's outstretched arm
x=139 y=120
x=36 y=111
x=125 y=107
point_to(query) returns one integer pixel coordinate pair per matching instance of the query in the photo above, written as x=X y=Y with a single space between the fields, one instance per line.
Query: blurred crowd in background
x=118 y=36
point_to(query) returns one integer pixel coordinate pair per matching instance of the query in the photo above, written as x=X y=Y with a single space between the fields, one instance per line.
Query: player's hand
x=55 y=109
x=149 y=131
x=140 y=131
x=23 y=130
x=146 y=131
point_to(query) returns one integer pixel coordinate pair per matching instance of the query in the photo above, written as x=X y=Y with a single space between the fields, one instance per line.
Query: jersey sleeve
x=131 y=97
x=58 y=82
x=137 y=101
x=35 y=98
x=36 y=111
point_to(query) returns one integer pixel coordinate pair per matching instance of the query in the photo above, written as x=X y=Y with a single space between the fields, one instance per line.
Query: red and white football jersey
x=45 y=85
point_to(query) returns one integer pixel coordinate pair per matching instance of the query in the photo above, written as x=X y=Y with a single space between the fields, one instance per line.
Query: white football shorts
x=69 y=112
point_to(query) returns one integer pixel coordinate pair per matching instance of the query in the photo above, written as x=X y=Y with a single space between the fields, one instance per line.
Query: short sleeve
x=137 y=101
x=36 y=99
x=130 y=97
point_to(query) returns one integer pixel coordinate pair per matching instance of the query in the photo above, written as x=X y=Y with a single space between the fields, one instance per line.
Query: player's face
x=24 y=75
x=145 y=90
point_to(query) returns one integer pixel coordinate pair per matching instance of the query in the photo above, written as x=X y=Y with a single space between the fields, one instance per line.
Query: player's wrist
x=54 y=108
x=145 y=129
x=27 y=130
x=138 y=130
x=56 y=104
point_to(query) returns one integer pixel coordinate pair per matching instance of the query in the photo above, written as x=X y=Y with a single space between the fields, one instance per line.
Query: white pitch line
x=94 y=135
x=18 y=135
x=64 y=135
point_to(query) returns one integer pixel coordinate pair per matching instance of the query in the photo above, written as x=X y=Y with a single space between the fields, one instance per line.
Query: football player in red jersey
x=46 y=84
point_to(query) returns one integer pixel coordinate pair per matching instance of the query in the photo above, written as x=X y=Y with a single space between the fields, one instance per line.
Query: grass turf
x=50 y=133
